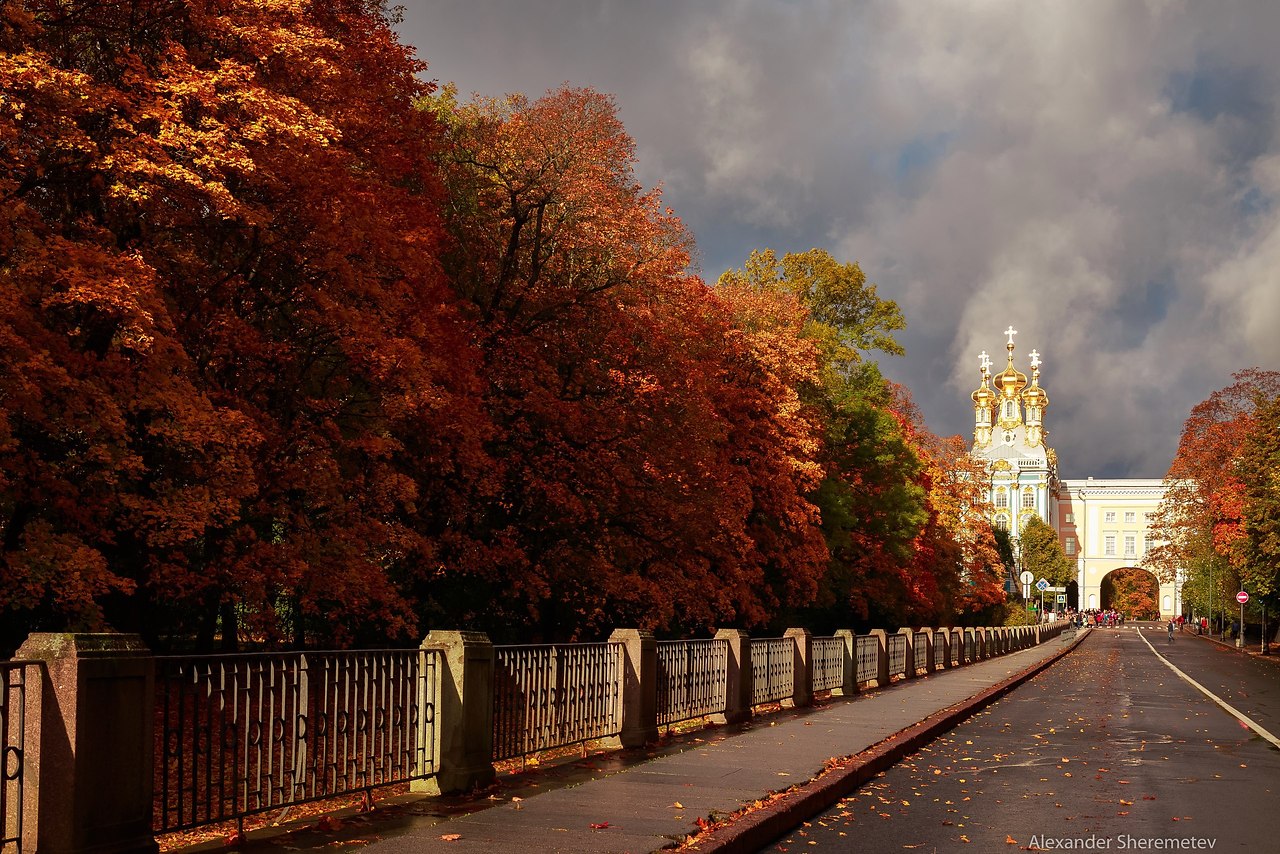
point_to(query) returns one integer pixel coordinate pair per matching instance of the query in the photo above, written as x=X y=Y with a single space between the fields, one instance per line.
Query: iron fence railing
x=970 y=646
x=827 y=664
x=693 y=677
x=773 y=671
x=939 y=649
x=868 y=656
x=957 y=647
x=241 y=734
x=897 y=655
x=15 y=676
x=554 y=695
x=920 y=651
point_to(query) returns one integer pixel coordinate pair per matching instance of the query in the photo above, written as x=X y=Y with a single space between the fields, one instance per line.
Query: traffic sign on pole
x=1242 y=597
x=1042 y=585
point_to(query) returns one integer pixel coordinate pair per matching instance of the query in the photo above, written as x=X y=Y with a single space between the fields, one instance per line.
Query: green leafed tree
x=1259 y=470
x=1041 y=552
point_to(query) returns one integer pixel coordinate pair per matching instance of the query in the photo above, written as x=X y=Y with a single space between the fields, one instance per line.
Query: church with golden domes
x=1102 y=524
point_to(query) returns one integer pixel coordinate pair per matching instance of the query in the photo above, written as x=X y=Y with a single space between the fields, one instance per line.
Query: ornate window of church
x=1008 y=409
x=1002 y=522
x=1028 y=498
x=1002 y=498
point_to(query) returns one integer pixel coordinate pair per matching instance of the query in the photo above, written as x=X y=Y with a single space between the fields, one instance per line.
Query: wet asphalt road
x=1108 y=750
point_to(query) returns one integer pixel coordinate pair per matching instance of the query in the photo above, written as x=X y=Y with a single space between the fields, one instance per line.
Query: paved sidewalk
x=1254 y=649
x=656 y=804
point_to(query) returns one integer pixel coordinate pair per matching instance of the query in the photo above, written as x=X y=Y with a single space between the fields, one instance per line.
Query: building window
x=1130 y=517
x=1002 y=498
x=1146 y=544
x=1109 y=516
x=1071 y=545
x=1008 y=409
x=1070 y=518
x=1002 y=523
x=1028 y=498
x=1109 y=547
x=1130 y=546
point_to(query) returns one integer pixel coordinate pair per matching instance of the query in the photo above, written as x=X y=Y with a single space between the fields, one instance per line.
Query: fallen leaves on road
x=451 y=837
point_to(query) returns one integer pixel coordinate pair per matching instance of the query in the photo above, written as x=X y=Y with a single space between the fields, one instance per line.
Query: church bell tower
x=1009 y=437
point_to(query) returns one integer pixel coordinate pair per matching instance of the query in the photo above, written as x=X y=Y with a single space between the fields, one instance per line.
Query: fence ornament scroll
x=827 y=663
x=14 y=676
x=241 y=734
x=772 y=670
x=547 y=696
x=692 y=679
x=897 y=655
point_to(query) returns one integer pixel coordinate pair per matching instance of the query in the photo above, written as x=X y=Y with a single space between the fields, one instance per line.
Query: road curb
x=754 y=830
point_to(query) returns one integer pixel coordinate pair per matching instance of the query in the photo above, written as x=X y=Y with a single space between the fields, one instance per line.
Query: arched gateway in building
x=1102 y=524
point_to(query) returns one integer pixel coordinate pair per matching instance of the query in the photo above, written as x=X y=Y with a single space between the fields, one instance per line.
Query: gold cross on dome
x=1035 y=359
x=1011 y=332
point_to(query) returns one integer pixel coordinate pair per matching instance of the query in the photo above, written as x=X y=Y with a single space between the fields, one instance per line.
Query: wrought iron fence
x=897 y=655
x=868 y=649
x=939 y=649
x=773 y=669
x=554 y=695
x=13 y=723
x=693 y=677
x=920 y=651
x=241 y=734
x=970 y=646
x=827 y=663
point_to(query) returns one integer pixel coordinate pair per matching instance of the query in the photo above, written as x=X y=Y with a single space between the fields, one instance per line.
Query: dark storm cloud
x=1100 y=175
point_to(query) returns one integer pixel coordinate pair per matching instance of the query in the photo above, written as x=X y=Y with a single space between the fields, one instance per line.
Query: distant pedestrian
x=1170 y=630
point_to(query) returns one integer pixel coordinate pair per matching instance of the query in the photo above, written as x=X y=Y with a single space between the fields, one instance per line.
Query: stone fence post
x=801 y=669
x=89 y=745
x=639 y=699
x=737 y=679
x=849 y=684
x=882 y=657
x=463 y=713
x=909 y=636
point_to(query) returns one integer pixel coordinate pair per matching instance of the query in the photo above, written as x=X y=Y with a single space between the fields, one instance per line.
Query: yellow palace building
x=1103 y=524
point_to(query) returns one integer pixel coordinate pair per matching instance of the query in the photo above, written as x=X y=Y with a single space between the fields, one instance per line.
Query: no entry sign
x=1242 y=597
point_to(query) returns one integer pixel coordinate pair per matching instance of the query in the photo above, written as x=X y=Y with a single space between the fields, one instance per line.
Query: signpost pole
x=1241 y=597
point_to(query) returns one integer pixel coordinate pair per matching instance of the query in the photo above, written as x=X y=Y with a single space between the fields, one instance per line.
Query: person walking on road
x=1170 y=627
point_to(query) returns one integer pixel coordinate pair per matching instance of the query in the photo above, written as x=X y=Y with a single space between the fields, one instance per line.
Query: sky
x=1101 y=176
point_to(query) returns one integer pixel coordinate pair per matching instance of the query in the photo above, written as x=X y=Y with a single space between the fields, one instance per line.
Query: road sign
x=1027 y=576
x=1242 y=597
x=1062 y=598
x=1042 y=585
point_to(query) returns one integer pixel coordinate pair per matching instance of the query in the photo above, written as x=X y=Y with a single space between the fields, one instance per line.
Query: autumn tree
x=1216 y=488
x=1258 y=468
x=234 y=390
x=652 y=449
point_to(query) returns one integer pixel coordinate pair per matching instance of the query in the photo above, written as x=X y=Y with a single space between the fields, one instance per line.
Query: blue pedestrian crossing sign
x=1042 y=585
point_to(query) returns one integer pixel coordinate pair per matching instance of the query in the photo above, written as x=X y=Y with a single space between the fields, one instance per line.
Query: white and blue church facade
x=1102 y=524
